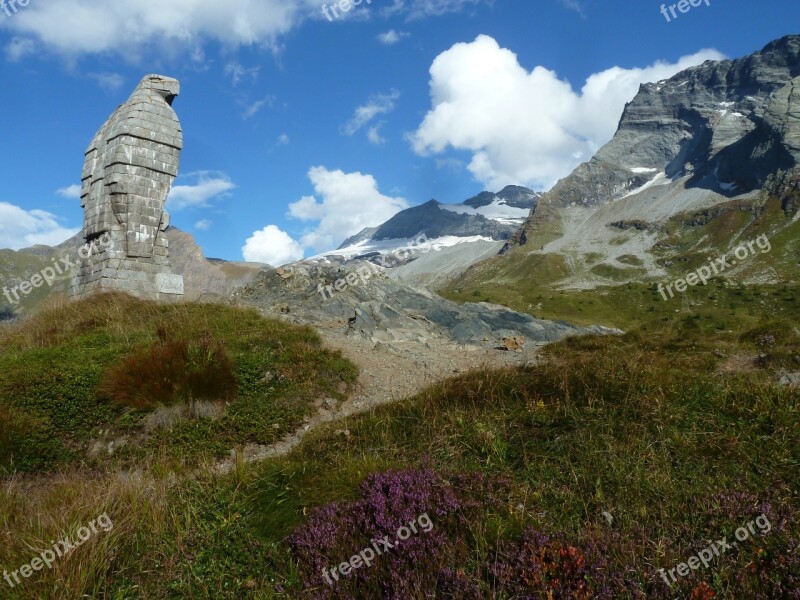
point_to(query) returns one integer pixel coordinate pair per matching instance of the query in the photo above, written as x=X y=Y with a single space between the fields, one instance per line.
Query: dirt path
x=388 y=372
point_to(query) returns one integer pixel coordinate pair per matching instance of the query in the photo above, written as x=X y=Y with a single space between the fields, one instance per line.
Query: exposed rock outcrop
x=206 y=279
x=381 y=310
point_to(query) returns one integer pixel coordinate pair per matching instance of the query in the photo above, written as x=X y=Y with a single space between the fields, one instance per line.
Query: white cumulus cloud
x=20 y=228
x=271 y=246
x=348 y=202
x=79 y=27
x=526 y=127
x=343 y=205
x=132 y=30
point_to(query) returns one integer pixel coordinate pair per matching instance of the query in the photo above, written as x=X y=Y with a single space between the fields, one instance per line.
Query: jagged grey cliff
x=127 y=175
x=720 y=137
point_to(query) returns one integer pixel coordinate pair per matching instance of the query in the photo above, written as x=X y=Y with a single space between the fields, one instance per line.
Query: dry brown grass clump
x=170 y=372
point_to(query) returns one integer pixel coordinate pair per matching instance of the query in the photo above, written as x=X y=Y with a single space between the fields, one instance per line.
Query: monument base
x=144 y=283
x=108 y=268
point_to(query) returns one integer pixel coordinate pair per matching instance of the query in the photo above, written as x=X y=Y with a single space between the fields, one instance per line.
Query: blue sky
x=300 y=131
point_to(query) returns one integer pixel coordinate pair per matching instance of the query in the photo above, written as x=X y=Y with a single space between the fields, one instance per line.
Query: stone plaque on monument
x=127 y=175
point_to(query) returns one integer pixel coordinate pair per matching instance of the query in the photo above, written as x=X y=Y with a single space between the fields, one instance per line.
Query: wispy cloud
x=237 y=72
x=19 y=48
x=378 y=104
x=374 y=135
x=204 y=186
x=71 y=191
x=420 y=9
x=450 y=163
x=282 y=140
x=392 y=37
x=253 y=108
x=574 y=5
x=108 y=82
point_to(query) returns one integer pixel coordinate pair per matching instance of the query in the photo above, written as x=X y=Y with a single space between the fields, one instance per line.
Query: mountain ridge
x=473 y=217
x=709 y=124
x=715 y=139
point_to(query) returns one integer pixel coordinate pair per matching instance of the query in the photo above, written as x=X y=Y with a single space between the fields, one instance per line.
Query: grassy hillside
x=586 y=290
x=724 y=305
x=18 y=267
x=576 y=478
x=187 y=382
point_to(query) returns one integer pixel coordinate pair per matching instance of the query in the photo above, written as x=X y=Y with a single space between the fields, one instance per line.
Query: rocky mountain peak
x=721 y=129
x=511 y=195
x=489 y=215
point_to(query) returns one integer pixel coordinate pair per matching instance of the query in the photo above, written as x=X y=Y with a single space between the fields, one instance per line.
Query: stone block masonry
x=128 y=171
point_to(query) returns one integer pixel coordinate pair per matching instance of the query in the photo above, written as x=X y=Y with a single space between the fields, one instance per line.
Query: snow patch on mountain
x=498 y=210
x=660 y=179
x=376 y=247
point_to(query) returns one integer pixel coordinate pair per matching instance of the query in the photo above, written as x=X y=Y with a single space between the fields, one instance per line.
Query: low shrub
x=389 y=501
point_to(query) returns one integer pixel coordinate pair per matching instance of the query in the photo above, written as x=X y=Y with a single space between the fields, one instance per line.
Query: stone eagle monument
x=127 y=174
